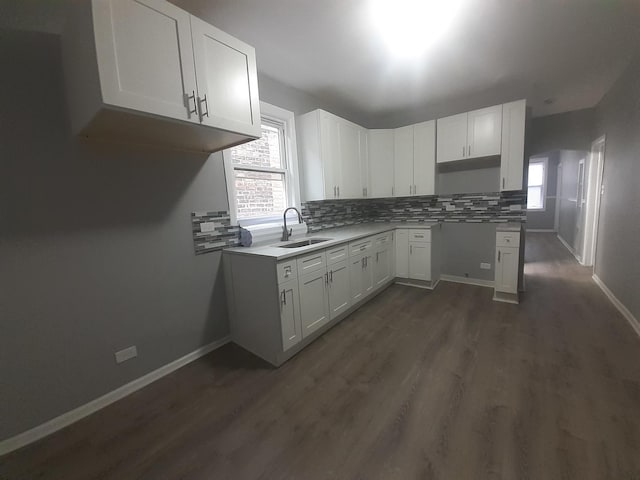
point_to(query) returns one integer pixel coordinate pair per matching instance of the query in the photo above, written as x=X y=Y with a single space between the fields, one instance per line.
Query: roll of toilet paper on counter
x=264 y=234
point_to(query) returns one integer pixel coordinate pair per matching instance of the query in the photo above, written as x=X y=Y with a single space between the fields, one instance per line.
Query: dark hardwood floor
x=414 y=385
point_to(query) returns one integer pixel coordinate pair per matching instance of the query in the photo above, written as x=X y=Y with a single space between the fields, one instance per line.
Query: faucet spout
x=286 y=233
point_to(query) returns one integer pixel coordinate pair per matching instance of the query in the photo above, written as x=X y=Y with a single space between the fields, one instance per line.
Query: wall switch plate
x=126 y=354
x=485 y=266
x=207 y=227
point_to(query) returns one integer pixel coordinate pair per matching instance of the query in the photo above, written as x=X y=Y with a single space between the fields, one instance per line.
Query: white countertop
x=337 y=236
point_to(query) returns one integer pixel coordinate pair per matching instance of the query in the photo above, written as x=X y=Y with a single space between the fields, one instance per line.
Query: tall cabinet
x=334 y=157
x=415 y=159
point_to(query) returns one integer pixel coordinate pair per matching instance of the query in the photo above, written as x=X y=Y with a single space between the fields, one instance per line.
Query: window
x=261 y=175
x=537 y=188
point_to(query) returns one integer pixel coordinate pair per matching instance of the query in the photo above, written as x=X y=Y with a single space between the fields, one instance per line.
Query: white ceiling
x=497 y=50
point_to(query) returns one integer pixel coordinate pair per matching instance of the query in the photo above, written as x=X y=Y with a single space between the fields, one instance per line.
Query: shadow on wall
x=58 y=182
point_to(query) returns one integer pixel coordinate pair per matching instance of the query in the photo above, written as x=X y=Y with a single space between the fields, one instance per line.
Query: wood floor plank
x=415 y=384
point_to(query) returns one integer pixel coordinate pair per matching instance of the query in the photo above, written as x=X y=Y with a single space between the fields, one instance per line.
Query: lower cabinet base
x=506 y=297
x=427 y=284
x=278 y=358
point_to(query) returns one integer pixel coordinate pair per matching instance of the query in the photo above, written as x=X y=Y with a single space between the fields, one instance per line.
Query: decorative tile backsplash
x=223 y=235
x=469 y=208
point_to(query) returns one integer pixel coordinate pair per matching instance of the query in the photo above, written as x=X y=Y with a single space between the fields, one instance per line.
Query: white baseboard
x=66 y=419
x=540 y=230
x=469 y=281
x=633 y=321
x=570 y=248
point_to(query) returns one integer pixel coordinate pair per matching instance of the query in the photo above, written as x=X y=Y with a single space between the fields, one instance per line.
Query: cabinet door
x=330 y=153
x=452 y=138
x=314 y=301
x=290 y=321
x=145 y=57
x=506 y=269
x=512 y=160
x=350 y=161
x=227 y=80
x=420 y=261
x=356 y=278
x=382 y=273
x=402 y=253
x=381 y=146
x=403 y=161
x=485 y=132
x=368 y=274
x=339 y=291
x=364 y=160
x=424 y=158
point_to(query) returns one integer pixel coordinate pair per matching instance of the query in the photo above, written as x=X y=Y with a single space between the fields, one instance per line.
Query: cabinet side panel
x=311 y=162
x=256 y=322
x=82 y=80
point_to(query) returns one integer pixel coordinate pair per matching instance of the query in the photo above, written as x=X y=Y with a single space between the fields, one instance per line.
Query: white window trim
x=545 y=180
x=278 y=114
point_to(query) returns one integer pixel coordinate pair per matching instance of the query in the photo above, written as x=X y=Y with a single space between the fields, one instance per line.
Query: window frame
x=269 y=114
x=545 y=179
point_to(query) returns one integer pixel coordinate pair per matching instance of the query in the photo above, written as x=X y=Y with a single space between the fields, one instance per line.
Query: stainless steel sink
x=304 y=243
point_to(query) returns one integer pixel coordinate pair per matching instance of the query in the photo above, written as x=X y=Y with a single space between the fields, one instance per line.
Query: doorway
x=594 y=192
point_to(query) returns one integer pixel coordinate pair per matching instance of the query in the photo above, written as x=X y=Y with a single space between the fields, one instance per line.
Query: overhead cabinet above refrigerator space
x=146 y=71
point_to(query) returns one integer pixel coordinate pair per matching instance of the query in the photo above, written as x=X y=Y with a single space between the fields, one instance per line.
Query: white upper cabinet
x=149 y=72
x=484 y=132
x=225 y=72
x=470 y=135
x=334 y=157
x=403 y=161
x=381 y=146
x=452 y=138
x=513 y=131
x=424 y=158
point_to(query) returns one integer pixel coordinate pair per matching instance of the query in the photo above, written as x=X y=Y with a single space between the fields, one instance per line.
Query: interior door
x=506 y=270
x=403 y=161
x=580 y=206
x=381 y=146
x=339 y=291
x=290 y=321
x=227 y=80
x=314 y=301
x=452 y=138
x=145 y=57
x=424 y=158
x=485 y=132
x=420 y=261
x=350 y=161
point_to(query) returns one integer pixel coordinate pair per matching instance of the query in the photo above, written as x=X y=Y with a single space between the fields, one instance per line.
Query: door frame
x=593 y=200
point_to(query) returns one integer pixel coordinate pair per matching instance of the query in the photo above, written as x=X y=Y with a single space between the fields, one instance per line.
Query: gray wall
x=564 y=131
x=545 y=219
x=96 y=247
x=465 y=246
x=618 y=250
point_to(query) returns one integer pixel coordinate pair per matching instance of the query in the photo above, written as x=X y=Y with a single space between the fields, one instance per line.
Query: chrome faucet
x=286 y=233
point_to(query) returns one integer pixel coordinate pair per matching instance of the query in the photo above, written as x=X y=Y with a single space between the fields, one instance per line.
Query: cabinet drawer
x=312 y=262
x=384 y=239
x=507 y=239
x=359 y=246
x=287 y=270
x=420 y=235
x=337 y=254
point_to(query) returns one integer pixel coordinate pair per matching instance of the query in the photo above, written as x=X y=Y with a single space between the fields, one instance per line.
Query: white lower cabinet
x=507 y=266
x=290 y=321
x=339 y=291
x=361 y=277
x=383 y=268
x=314 y=302
x=417 y=256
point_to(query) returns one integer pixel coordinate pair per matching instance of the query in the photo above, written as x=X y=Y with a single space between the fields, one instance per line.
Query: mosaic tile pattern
x=468 y=208
x=224 y=235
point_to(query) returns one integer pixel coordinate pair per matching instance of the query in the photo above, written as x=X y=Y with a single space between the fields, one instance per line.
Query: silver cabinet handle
x=338 y=191
x=410 y=249
x=362 y=262
x=366 y=192
x=469 y=151
x=326 y=278
x=284 y=297
x=377 y=256
x=499 y=252
x=503 y=183
x=195 y=103
x=463 y=150
x=392 y=189
x=206 y=104
x=335 y=191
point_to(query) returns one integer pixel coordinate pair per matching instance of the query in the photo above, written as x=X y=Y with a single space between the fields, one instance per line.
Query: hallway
x=415 y=384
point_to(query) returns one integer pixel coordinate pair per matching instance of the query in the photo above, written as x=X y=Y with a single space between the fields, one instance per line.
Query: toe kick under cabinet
x=278 y=307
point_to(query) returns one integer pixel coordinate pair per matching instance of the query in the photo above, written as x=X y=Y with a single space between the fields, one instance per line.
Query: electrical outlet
x=207 y=227
x=485 y=266
x=126 y=354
